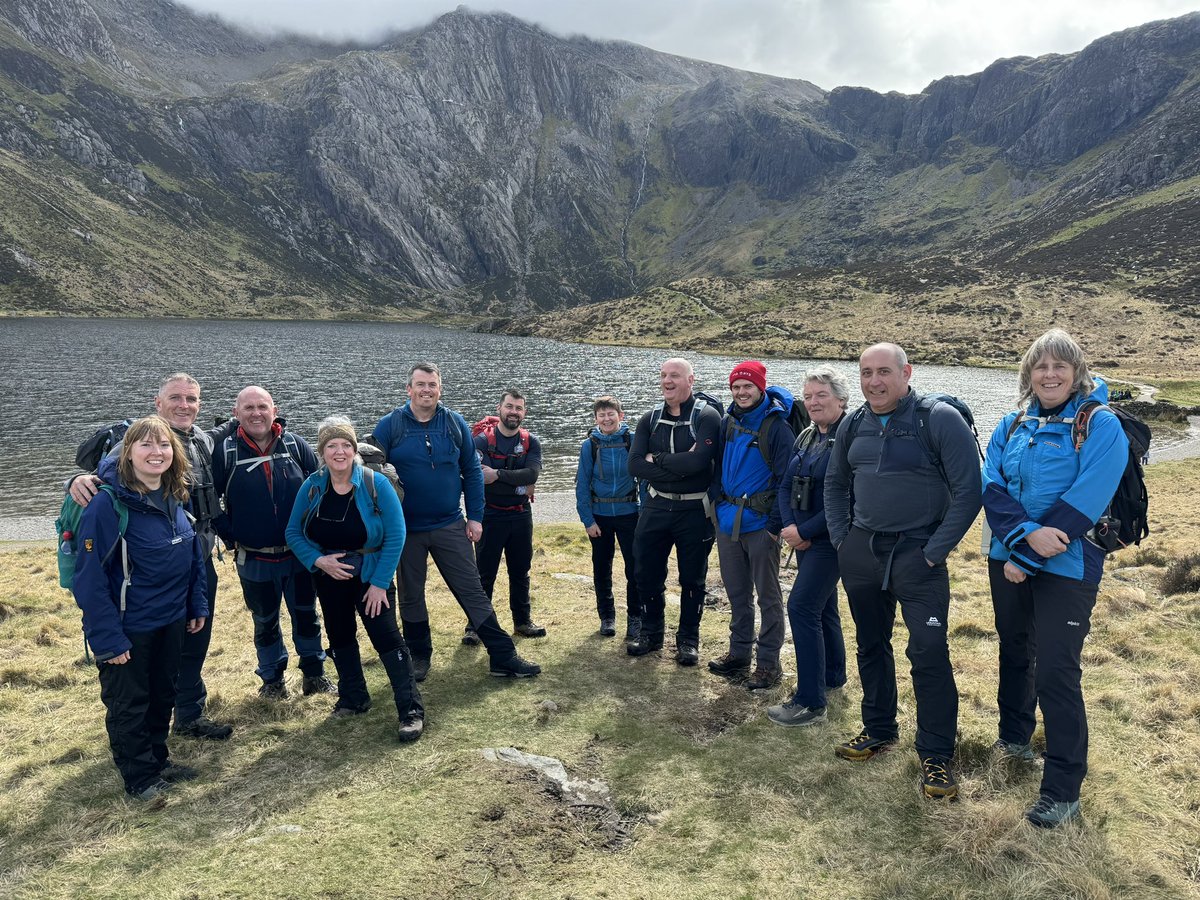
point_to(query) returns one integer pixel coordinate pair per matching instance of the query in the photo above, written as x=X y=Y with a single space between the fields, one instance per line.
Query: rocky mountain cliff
x=154 y=160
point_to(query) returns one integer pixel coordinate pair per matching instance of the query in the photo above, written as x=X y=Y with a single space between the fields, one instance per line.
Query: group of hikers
x=874 y=497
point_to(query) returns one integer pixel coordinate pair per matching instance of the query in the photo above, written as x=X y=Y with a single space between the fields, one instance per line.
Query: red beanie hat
x=751 y=370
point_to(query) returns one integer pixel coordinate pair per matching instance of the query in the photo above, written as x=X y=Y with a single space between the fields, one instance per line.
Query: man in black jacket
x=257 y=471
x=511 y=459
x=674 y=450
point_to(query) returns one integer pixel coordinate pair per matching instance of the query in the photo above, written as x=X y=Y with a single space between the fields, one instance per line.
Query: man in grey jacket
x=902 y=489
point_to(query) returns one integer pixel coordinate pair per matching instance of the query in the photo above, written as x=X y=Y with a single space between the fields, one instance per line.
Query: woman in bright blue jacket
x=139 y=592
x=347 y=527
x=606 y=498
x=812 y=604
x=1044 y=488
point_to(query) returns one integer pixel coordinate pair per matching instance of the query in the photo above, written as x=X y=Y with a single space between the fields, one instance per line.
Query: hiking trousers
x=511 y=535
x=343 y=604
x=1042 y=623
x=868 y=561
x=295 y=586
x=192 y=694
x=454 y=557
x=138 y=696
x=686 y=528
x=816 y=626
x=749 y=569
x=614 y=531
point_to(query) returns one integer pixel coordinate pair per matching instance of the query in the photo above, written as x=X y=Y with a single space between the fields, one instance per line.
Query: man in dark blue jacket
x=674 y=450
x=257 y=471
x=178 y=401
x=748 y=522
x=511 y=460
x=896 y=504
x=433 y=453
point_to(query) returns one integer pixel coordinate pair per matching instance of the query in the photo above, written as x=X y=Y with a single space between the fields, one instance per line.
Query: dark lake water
x=64 y=378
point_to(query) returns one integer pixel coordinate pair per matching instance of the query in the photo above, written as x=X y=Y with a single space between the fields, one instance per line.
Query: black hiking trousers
x=867 y=561
x=139 y=696
x=686 y=528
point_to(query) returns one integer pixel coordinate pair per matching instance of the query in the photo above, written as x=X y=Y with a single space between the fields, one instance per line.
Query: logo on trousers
x=933 y=622
x=1072 y=624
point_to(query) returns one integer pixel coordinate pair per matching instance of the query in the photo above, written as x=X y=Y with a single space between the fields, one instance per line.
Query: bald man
x=257 y=471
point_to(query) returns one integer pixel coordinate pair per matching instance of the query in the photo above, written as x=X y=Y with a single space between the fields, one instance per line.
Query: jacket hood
x=617 y=437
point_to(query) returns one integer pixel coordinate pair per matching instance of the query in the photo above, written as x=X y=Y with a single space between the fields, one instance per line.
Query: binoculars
x=802 y=488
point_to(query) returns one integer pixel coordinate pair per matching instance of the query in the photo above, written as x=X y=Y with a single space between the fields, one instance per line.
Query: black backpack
x=96 y=447
x=1124 y=520
x=924 y=408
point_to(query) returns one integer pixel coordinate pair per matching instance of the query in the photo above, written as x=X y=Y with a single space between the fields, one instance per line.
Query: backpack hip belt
x=521 y=507
x=760 y=502
x=679 y=498
x=244 y=552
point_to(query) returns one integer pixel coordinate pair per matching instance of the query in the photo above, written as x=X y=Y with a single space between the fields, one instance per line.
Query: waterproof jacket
x=894 y=485
x=385 y=530
x=438 y=469
x=602 y=481
x=166 y=565
x=260 y=494
x=743 y=472
x=1037 y=478
x=681 y=464
x=811 y=460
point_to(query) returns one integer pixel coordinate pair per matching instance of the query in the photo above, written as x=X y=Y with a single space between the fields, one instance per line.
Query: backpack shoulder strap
x=372 y=489
x=1081 y=426
x=764 y=442
x=656 y=414
x=855 y=423
x=524 y=432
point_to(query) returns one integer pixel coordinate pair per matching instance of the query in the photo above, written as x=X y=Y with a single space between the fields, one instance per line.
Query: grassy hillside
x=709 y=798
x=942 y=312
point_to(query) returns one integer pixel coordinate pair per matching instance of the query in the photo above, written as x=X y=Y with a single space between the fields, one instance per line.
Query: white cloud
x=883 y=44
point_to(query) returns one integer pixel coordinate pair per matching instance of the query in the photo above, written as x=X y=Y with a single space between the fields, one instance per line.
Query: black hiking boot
x=730 y=666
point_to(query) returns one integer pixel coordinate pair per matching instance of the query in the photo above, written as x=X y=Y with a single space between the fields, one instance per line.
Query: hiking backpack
x=702 y=402
x=1124 y=520
x=375 y=459
x=487 y=427
x=924 y=409
x=66 y=526
x=229 y=450
x=398 y=429
x=627 y=442
x=96 y=447
x=761 y=439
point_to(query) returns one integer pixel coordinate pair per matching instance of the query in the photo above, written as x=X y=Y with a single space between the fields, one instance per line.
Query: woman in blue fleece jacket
x=135 y=625
x=1042 y=494
x=350 y=534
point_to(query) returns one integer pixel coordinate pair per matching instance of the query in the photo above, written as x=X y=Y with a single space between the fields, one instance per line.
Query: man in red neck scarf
x=257 y=472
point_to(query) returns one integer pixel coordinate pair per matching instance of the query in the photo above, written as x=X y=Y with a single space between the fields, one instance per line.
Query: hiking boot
x=633 y=627
x=937 y=781
x=514 y=668
x=173 y=773
x=644 y=643
x=420 y=667
x=470 y=638
x=205 y=729
x=608 y=626
x=317 y=684
x=152 y=791
x=1008 y=750
x=793 y=715
x=730 y=666
x=411 y=728
x=1049 y=813
x=530 y=629
x=764 y=678
x=345 y=712
x=863 y=746
x=273 y=690
x=687 y=651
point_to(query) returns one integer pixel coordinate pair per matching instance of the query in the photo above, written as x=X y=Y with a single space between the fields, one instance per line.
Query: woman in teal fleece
x=350 y=533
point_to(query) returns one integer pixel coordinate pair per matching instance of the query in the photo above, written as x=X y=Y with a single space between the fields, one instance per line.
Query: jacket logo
x=88 y=543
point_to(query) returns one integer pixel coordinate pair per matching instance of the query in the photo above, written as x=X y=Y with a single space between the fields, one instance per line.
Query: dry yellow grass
x=709 y=798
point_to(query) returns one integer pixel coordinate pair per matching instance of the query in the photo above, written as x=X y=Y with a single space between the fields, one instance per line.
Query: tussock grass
x=709 y=798
x=1182 y=576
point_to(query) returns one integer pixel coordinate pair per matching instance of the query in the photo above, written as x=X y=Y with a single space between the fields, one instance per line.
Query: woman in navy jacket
x=138 y=594
x=1042 y=493
x=812 y=604
x=350 y=534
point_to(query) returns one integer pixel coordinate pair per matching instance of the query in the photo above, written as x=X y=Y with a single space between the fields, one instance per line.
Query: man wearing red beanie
x=755 y=448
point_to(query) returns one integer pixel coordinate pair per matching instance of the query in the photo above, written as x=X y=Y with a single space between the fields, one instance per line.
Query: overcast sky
x=887 y=45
